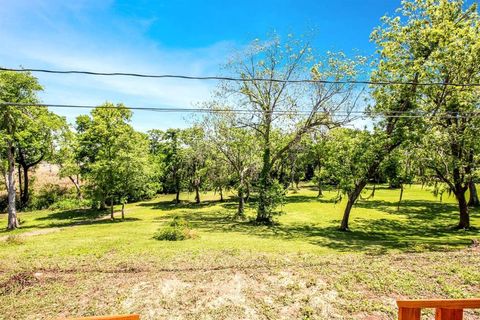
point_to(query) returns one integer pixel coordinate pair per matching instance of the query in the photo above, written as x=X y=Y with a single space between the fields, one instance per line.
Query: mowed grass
x=308 y=225
x=302 y=267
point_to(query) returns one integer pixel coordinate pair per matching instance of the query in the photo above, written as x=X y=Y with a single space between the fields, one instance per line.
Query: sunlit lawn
x=308 y=225
x=79 y=250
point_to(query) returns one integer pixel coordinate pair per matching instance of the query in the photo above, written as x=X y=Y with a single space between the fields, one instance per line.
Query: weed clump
x=177 y=230
x=15 y=239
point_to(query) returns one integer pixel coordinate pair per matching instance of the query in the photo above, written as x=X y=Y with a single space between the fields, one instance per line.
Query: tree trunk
x=177 y=196
x=241 y=204
x=111 y=209
x=464 y=222
x=20 y=189
x=247 y=195
x=473 y=201
x=352 y=198
x=320 y=193
x=401 y=196
x=77 y=187
x=123 y=211
x=12 y=210
x=221 y=194
x=25 y=196
x=263 y=214
x=197 y=194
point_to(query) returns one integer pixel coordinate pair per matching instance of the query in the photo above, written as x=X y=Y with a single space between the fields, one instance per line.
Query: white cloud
x=43 y=38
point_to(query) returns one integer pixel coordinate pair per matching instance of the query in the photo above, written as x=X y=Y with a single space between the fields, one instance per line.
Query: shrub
x=177 y=230
x=170 y=234
x=70 y=204
x=47 y=196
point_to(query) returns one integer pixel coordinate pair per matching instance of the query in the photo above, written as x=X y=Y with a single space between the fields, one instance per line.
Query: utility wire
x=389 y=114
x=186 y=77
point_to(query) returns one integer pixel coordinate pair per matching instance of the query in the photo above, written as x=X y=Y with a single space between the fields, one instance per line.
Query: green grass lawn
x=78 y=263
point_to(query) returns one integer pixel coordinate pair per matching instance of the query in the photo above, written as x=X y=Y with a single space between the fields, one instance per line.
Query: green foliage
x=177 y=230
x=47 y=196
x=169 y=158
x=274 y=198
x=348 y=157
x=113 y=155
x=170 y=234
x=70 y=204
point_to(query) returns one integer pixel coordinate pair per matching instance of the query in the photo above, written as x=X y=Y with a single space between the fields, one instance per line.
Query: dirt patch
x=18 y=282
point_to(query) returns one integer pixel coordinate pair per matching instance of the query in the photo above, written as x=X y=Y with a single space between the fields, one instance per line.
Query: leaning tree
x=412 y=50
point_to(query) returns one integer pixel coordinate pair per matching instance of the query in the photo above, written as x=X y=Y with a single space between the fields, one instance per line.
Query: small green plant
x=70 y=204
x=177 y=230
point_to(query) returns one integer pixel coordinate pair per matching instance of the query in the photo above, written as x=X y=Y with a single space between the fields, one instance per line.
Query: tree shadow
x=69 y=218
x=168 y=205
x=308 y=199
x=421 y=226
x=413 y=209
x=76 y=214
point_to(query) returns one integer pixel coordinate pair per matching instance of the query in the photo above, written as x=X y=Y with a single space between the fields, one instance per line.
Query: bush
x=177 y=230
x=47 y=196
x=70 y=204
x=170 y=234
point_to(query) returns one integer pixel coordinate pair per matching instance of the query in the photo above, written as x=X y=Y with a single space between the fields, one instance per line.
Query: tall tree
x=196 y=158
x=347 y=158
x=409 y=46
x=169 y=150
x=66 y=157
x=293 y=108
x=19 y=88
x=450 y=142
x=235 y=146
x=35 y=144
x=112 y=154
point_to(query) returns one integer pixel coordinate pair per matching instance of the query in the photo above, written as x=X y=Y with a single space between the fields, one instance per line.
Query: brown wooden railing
x=121 y=317
x=444 y=309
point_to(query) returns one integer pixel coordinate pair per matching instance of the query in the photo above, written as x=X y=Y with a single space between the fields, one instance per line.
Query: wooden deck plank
x=440 y=303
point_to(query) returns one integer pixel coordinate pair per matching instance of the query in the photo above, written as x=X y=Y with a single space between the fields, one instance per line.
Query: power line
x=390 y=114
x=224 y=78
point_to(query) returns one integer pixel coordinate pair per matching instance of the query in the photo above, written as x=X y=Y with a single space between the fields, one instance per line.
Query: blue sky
x=183 y=37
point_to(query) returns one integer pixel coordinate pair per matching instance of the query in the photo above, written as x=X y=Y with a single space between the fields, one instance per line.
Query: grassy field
x=77 y=263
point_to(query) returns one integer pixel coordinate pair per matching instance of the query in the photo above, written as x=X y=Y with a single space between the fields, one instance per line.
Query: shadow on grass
x=420 y=226
x=166 y=205
x=70 y=218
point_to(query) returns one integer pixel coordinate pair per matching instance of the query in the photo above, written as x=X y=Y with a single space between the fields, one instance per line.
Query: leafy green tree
x=113 y=155
x=450 y=139
x=36 y=143
x=68 y=161
x=235 y=147
x=293 y=108
x=196 y=156
x=397 y=170
x=170 y=156
x=348 y=156
x=19 y=88
x=409 y=49
x=317 y=154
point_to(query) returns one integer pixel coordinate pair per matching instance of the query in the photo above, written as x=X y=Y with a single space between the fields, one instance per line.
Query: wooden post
x=448 y=314
x=409 y=314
